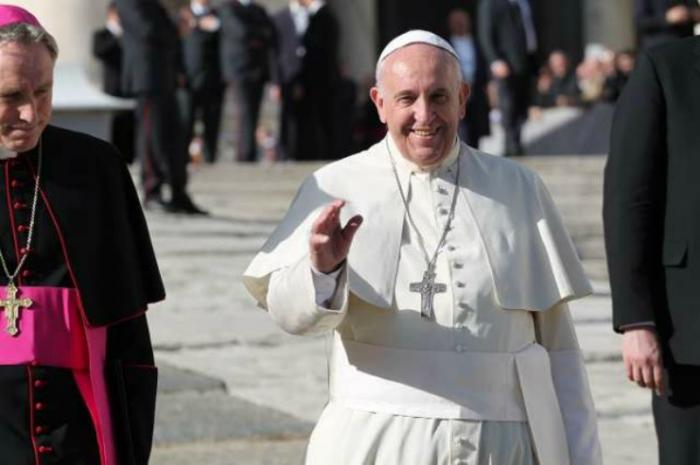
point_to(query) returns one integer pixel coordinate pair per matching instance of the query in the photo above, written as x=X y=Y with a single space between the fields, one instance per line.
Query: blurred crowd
x=238 y=49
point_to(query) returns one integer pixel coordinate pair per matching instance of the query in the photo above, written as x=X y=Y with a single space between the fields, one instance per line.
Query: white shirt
x=466 y=51
x=300 y=17
x=6 y=154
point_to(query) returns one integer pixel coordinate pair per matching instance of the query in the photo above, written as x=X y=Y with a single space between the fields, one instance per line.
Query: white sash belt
x=492 y=386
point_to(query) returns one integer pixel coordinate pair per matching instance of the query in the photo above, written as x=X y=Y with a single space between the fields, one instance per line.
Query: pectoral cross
x=12 y=305
x=427 y=288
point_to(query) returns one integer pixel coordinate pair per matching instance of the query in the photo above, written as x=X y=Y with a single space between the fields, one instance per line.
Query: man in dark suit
x=107 y=48
x=659 y=21
x=320 y=76
x=652 y=230
x=152 y=68
x=508 y=40
x=247 y=57
x=475 y=123
x=205 y=88
x=291 y=23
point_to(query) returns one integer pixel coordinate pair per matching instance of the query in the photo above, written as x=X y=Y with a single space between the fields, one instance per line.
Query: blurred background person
x=557 y=85
x=614 y=83
x=247 y=56
x=319 y=76
x=203 y=100
x=659 y=21
x=291 y=23
x=509 y=42
x=475 y=123
x=153 y=71
x=107 y=49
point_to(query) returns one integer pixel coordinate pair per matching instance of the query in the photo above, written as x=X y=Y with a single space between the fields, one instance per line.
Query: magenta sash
x=52 y=333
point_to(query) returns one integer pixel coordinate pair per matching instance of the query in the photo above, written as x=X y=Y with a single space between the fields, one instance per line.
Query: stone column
x=358 y=31
x=610 y=23
x=72 y=23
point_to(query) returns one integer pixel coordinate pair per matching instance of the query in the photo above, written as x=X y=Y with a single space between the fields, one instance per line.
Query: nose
x=422 y=111
x=28 y=111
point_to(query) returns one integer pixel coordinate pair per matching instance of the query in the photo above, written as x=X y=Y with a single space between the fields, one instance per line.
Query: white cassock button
x=459 y=284
x=443 y=211
x=461 y=441
x=459 y=348
x=442 y=190
x=451 y=248
x=458 y=266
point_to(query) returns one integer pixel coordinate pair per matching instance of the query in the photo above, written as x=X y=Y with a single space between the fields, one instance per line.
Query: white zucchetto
x=416 y=36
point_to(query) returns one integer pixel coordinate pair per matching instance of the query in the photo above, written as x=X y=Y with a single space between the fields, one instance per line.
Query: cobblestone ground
x=236 y=390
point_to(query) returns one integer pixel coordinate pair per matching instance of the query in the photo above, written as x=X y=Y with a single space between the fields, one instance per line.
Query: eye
x=440 y=98
x=405 y=99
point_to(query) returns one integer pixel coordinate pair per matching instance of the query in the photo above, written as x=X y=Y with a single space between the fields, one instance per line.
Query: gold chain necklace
x=11 y=304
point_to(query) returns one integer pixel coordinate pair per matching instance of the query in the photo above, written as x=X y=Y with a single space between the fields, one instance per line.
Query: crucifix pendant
x=12 y=305
x=427 y=288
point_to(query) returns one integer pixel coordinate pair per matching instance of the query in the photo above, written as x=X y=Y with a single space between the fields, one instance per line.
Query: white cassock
x=498 y=377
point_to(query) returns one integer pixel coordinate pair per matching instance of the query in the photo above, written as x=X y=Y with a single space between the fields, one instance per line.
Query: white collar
x=6 y=154
x=406 y=166
x=315 y=6
x=199 y=9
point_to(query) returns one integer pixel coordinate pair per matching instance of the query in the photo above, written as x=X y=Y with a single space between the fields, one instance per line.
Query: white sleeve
x=325 y=284
x=292 y=300
x=555 y=331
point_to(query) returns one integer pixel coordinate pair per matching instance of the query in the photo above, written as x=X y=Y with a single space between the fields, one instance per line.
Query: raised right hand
x=330 y=243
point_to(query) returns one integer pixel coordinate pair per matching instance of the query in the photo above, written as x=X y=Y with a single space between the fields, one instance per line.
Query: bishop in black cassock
x=77 y=376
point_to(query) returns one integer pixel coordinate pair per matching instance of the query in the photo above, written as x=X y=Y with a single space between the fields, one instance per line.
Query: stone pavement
x=235 y=390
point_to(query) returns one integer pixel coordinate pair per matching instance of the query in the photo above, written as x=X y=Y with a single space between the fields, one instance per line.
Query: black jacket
x=152 y=48
x=652 y=198
x=502 y=35
x=650 y=19
x=201 y=58
x=107 y=48
x=247 y=42
x=289 y=48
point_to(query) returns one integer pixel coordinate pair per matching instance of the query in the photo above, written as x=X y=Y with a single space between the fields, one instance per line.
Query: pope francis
x=442 y=274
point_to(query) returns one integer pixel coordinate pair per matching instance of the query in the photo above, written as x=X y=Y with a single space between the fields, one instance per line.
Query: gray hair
x=28 y=34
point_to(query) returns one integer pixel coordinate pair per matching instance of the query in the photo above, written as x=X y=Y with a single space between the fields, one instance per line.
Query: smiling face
x=26 y=80
x=420 y=96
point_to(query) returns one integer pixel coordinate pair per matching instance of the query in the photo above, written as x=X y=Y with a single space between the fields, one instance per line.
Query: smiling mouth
x=425 y=132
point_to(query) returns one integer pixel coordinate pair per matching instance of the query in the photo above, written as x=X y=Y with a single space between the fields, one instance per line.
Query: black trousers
x=160 y=145
x=513 y=101
x=43 y=418
x=247 y=96
x=677 y=417
x=205 y=105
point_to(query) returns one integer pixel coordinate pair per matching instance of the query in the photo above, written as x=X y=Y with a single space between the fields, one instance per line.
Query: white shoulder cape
x=532 y=259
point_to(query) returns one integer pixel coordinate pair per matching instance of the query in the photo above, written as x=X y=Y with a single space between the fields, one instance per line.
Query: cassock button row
x=39 y=430
x=26 y=273
x=442 y=190
x=39 y=406
x=17 y=205
x=22 y=228
x=461 y=441
x=15 y=184
x=443 y=211
x=24 y=251
x=39 y=383
x=458 y=266
x=44 y=449
x=460 y=284
x=451 y=248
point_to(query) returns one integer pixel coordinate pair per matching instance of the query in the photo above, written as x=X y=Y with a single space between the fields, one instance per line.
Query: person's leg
x=677 y=417
x=509 y=116
x=152 y=169
x=211 y=105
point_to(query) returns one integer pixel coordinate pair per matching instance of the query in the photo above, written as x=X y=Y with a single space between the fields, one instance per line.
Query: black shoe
x=186 y=206
x=155 y=205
